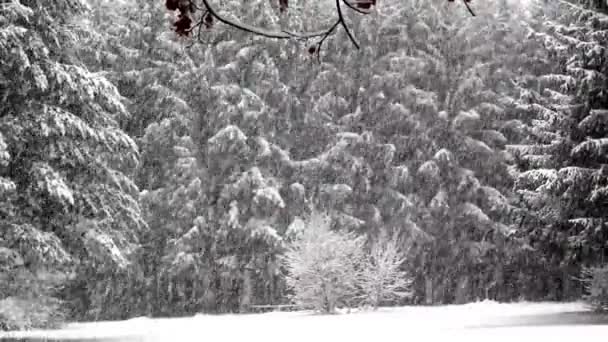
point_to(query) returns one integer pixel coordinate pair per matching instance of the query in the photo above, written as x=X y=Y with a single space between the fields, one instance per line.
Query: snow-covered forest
x=160 y=160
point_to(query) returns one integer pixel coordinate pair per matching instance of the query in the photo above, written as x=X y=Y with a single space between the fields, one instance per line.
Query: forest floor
x=483 y=321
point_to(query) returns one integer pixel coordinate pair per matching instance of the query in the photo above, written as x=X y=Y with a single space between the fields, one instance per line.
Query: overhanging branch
x=186 y=8
x=343 y=23
x=466 y=3
x=284 y=34
x=261 y=31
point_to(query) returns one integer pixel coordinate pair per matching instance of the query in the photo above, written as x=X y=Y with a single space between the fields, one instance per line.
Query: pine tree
x=149 y=67
x=225 y=209
x=562 y=169
x=68 y=199
x=420 y=156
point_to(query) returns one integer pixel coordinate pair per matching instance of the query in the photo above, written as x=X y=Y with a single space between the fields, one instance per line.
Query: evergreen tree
x=562 y=178
x=437 y=132
x=420 y=156
x=226 y=210
x=148 y=65
x=68 y=199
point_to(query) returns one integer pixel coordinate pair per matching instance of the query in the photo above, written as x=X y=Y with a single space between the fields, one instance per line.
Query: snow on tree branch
x=381 y=277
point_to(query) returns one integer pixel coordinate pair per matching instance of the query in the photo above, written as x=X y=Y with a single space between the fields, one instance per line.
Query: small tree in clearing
x=596 y=284
x=322 y=264
x=381 y=276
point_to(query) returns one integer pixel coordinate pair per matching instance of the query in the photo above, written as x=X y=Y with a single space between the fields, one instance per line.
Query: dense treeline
x=145 y=173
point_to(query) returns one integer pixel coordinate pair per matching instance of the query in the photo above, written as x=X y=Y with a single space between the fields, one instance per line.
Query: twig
x=358 y=10
x=320 y=42
x=284 y=34
x=466 y=3
x=198 y=25
x=209 y=10
x=260 y=31
x=341 y=21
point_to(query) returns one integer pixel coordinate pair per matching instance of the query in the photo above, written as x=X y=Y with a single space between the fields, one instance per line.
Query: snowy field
x=485 y=321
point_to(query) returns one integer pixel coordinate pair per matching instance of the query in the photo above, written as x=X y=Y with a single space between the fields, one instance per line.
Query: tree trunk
x=428 y=290
x=245 y=299
x=462 y=291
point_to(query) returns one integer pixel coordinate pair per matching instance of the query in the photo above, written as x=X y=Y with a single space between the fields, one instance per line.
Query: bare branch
x=209 y=10
x=341 y=20
x=261 y=31
x=320 y=43
x=184 y=26
x=358 y=10
x=466 y=3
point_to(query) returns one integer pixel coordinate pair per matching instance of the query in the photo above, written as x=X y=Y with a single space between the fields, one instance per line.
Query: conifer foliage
x=420 y=157
x=451 y=158
x=563 y=179
x=67 y=196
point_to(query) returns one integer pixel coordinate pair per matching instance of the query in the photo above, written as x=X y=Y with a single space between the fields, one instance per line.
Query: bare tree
x=196 y=14
x=323 y=265
x=381 y=276
x=595 y=280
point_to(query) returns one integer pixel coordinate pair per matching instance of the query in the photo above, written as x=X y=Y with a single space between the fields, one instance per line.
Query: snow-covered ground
x=484 y=321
